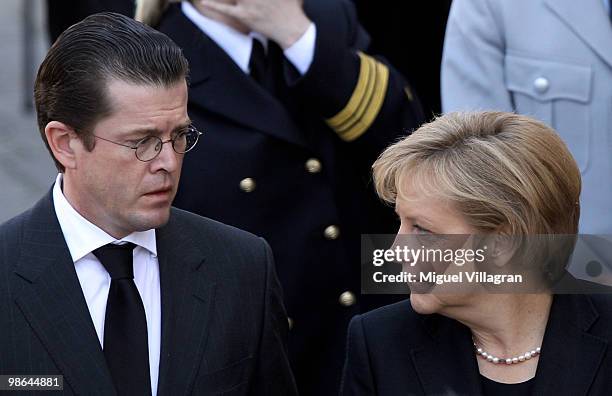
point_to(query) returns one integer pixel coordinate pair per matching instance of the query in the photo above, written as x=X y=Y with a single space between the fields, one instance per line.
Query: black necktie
x=258 y=64
x=125 y=325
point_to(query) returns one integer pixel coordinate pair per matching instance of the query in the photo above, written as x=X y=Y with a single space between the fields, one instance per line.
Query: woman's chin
x=425 y=304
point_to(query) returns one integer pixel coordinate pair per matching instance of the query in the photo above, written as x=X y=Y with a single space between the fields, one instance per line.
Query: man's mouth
x=159 y=192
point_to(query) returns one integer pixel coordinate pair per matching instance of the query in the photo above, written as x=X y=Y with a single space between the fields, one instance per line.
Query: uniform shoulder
x=324 y=11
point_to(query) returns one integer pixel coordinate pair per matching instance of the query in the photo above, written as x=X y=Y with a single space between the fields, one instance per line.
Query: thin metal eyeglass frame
x=135 y=147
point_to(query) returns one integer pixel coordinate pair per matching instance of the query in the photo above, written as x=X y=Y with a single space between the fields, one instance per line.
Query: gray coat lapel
x=187 y=296
x=588 y=19
x=52 y=302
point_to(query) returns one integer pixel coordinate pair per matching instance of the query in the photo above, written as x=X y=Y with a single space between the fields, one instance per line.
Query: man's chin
x=150 y=220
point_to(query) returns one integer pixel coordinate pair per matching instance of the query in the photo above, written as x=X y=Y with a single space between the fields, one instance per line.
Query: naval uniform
x=291 y=160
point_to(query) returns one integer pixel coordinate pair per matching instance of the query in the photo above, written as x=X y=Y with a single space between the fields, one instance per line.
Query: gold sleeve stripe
x=362 y=106
x=366 y=101
x=356 y=97
x=374 y=105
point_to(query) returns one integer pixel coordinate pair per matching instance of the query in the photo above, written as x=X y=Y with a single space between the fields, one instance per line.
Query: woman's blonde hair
x=500 y=170
x=149 y=12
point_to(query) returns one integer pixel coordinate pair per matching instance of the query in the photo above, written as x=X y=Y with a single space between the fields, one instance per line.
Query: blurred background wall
x=26 y=169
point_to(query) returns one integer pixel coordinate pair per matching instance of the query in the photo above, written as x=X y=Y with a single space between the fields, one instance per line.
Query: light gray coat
x=551 y=59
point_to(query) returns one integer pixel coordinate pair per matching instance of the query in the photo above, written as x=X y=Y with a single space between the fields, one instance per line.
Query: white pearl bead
x=515 y=360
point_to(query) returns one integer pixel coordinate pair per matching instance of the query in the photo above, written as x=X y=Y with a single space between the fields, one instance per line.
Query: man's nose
x=167 y=159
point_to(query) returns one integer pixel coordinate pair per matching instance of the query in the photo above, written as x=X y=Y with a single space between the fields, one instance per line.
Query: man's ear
x=61 y=139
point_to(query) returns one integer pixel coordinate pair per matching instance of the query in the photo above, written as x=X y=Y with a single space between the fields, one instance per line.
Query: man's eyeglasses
x=149 y=147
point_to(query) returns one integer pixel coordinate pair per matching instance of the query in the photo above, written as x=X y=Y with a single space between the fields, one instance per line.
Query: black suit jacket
x=395 y=351
x=223 y=323
x=251 y=133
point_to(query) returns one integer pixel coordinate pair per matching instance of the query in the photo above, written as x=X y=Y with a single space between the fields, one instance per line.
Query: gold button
x=247 y=185
x=347 y=299
x=290 y=321
x=313 y=165
x=331 y=232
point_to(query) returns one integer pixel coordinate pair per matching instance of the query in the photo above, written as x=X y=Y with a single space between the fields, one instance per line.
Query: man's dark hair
x=71 y=85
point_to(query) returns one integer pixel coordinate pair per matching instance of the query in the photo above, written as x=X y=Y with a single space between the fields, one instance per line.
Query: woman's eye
x=420 y=230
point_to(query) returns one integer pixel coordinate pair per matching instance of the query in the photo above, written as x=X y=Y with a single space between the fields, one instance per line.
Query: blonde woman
x=482 y=173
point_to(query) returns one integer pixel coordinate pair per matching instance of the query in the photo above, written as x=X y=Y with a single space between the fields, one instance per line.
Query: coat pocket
x=556 y=93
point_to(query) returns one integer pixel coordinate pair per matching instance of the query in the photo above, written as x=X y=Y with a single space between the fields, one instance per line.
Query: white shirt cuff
x=301 y=53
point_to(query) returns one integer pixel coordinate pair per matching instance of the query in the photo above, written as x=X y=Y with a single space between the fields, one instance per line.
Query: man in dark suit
x=295 y=112
x=102 y=281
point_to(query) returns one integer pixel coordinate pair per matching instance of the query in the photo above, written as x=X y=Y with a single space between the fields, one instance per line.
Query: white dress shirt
x=607 y=5
x=82 y=238
x=238 y=45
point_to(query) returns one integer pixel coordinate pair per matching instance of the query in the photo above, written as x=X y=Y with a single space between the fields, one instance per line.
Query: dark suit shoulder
x=395 y=320
x=209 y=226
x=390 y=313
x=10 y=229
x=242 y=249
x=602 y=303
x=11 y=235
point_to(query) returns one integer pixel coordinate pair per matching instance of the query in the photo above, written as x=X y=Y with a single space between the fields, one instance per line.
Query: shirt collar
x=82 y=236
x=236 y=45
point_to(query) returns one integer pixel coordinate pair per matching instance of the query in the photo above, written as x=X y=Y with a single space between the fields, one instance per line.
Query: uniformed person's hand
x=282 y=21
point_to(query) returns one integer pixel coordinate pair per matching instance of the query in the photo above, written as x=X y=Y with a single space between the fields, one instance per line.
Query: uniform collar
x=237 y=45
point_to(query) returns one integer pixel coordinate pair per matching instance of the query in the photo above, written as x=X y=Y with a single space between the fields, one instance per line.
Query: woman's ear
x=501 y=247
x=59 y=137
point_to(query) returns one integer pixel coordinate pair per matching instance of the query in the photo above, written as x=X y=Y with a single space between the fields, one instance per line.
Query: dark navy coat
x=294 y=165
x=393 y=351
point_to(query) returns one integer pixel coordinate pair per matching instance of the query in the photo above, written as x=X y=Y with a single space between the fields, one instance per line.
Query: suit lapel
x=187 y=297
x=570 y=355
x=218 y=85
x=52 y=302
x=588 y=20
x=446 y=363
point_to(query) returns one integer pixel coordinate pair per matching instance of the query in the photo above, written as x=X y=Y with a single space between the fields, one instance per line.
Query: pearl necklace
x=514 y=360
